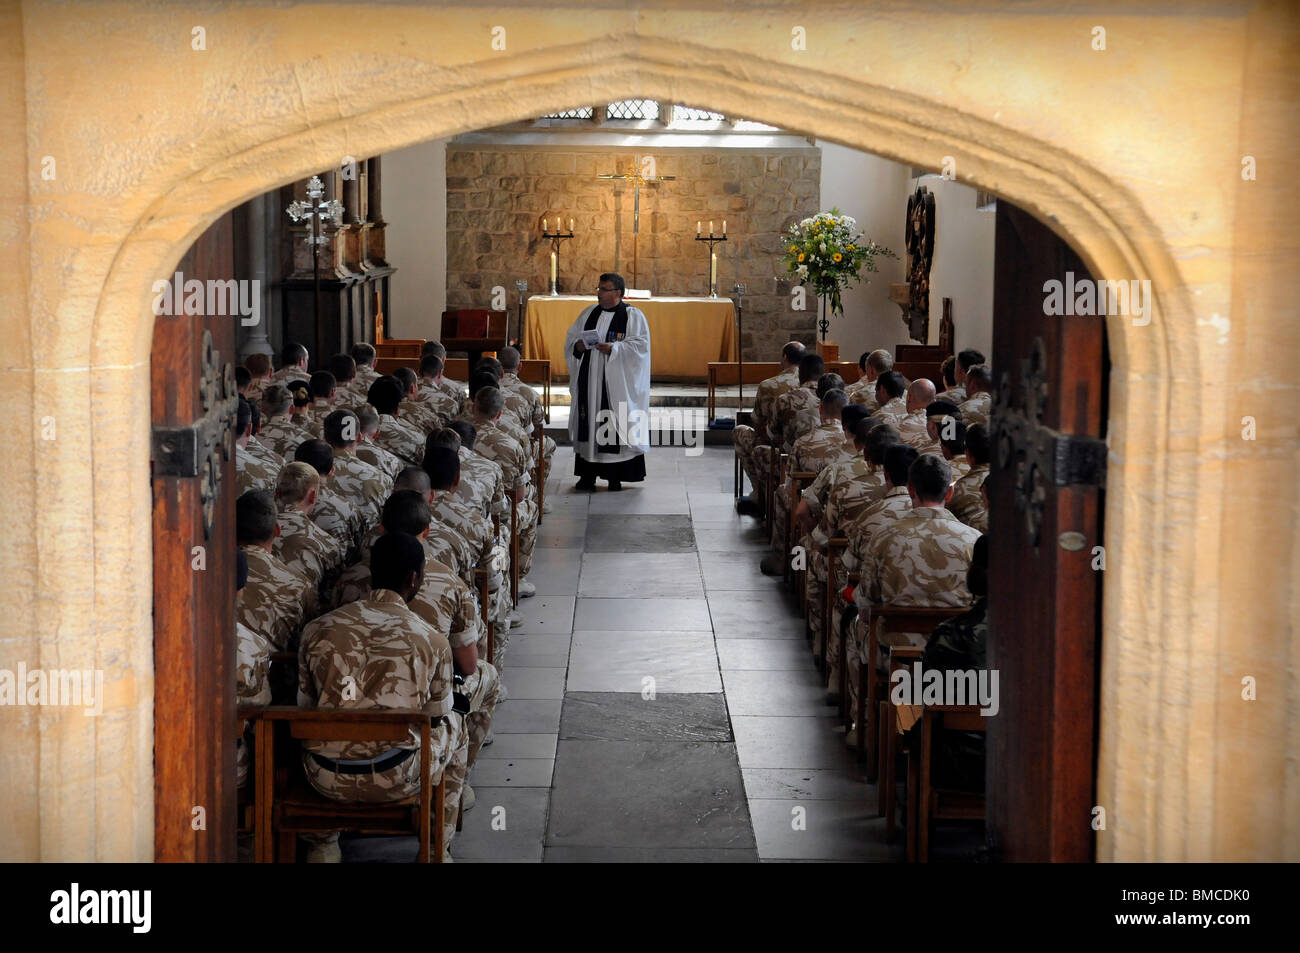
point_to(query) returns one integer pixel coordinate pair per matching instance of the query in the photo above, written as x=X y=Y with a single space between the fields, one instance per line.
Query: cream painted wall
x=963 y=264
x=874 y=191
x=415 y=207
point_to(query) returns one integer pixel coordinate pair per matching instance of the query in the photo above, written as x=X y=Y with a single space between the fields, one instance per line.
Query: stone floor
x=663 y=704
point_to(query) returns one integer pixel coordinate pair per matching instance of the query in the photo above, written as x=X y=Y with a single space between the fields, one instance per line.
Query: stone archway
x=255 y=143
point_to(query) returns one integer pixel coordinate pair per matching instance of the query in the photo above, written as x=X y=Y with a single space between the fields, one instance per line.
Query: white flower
x=822 y=247
x=802 y=271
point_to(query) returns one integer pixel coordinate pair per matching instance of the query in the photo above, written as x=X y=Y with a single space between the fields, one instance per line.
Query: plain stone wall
x=497 y=197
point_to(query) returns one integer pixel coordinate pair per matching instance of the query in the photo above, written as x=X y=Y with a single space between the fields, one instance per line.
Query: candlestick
x=544 y=228
x=713 y=274
x=555 y=238
x=698 y=227
x=570 y=224
x=724 y=228
x=553 y=268
x=710 y=228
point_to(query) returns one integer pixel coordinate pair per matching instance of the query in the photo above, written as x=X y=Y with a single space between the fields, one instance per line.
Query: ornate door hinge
x=200 y=449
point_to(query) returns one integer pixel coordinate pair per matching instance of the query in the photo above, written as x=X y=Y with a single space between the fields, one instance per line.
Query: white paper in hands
x=590 y=338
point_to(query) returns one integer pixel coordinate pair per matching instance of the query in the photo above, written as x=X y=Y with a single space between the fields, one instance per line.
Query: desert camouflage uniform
x=400 y=439
x=419 y=415
x=387 y=463
x=365 y=376
x=277 y=599
x=253 y=393
x=912 y=430
x=337 y=517
x=443 y=405
x=812 y=453
x=304 y=546
x=253 y=472
x=259 y=449
x=497 y=445
x=365 y=487
x=921 y=559
x=252 y=686
x=282 y=436
x=840 y=491
x=976 y=410
x=482 y=486
x=527 y=406
x=749 y=440
x=959 y=468
x=863 y=391
x=373 y=654
x=291 y=373
x=892 y=411
x=967 y=504
x=794 y=414
x=954 y=395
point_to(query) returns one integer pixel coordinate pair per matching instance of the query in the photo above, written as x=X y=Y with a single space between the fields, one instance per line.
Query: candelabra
x=713 y=256
x=317 y=212
x=555 y=238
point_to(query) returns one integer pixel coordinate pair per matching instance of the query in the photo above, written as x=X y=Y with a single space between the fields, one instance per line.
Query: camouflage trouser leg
x=482 y=688
x=857 y=647
x=815 y=581
x=744 y=437
x=780 y=514
x=527 y=535
x=833 y=631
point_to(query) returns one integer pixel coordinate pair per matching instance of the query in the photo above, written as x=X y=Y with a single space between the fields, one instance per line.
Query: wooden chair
x=538 y=372
x=928 y=802
x=893 y=723
x=798 y=480
x=287 y=805
x=881 y=621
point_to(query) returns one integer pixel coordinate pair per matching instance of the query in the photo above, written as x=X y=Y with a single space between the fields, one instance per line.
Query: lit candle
x=698 y=227
x=710 y=228
x=713 y=273
x=570 y=224
x=724 y=228
x=544 y=228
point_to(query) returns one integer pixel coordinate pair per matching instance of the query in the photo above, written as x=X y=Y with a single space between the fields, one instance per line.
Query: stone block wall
x=497 y=197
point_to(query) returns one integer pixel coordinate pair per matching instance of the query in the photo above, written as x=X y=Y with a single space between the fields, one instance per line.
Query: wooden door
x=1045 y=492
x=193 y=398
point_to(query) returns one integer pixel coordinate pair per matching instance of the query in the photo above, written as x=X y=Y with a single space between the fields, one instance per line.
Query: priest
x=608 y=353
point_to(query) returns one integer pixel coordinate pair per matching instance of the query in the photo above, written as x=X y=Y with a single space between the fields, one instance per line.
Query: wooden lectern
x=473 y=330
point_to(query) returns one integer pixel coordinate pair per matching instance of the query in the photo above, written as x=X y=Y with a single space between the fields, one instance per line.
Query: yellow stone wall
x=1133 y=153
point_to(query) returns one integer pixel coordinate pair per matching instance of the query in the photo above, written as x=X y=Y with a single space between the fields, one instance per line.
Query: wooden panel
x=1044 y=598
x=194 y=652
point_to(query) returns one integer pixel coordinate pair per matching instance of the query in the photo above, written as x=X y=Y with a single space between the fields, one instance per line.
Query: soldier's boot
x=467 y=798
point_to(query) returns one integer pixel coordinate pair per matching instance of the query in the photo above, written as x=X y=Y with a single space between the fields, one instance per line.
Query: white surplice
x=626 y=373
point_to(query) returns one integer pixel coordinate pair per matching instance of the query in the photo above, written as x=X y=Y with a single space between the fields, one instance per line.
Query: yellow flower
x=837 y=257
x=802 y=256
x=793 y=249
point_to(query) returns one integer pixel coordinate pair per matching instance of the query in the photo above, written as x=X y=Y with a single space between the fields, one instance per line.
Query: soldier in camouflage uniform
x=495 y=443
x=443 y=404
x=864 y=390
x=752 y=443
x=252 y=472
x=921 y=559
x=323 y=389
x=332 y=512
x=960 y=392
x=368 y=451
x=293 y=364
x=948 y=436
x=301 y=544
x=951 y=392
x=377 y=653
x=364 y=374
x=523 y=401
x=394 y=435
x=252 y=667
x=278 y=432
x=979 y=405
x=257 y=448
x=912 y=428
x=967 y=502
x=277 y=599
x=797 y=408
x=259 y=372
x=892 y=405
x=414 y=410
x=363 y=486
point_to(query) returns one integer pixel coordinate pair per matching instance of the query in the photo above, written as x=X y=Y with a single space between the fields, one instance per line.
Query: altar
x=685 y=333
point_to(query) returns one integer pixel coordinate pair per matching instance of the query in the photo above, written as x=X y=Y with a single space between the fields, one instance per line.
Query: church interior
x=937 y=534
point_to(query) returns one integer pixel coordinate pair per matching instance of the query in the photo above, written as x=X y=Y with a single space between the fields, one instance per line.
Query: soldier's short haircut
x=243 y=417
x=956 y=444
x=851 y=414
x=834 y=401
x=949 y=371
x=929 y=477
x=406 y=511
x=811 y=367
x=385 y=395
x=827 y=383
x=318 y=454
x=428 y=347
x=243 y=377
x=430 y=365
x=467 y=432
x=863 y=428
x=255 y=517
x=276 y=399
x=977 y=577
x=969 y=358
x=292 y=353
x=412 y=478
x=446 y=437
x=488 y=401
x=301 y=391
x=333 y=425
x=406 y=377
x=491 y=364
x=881 y=361
x=438 y=348
x=942 y=408
x=977 y=442
x=393 y=559
x=323 y=384
x=480 y=379
x=442 y=464
x=898 y=460
x=793 y=351
x=295 y=481
x=363 y=354
x=615 y=279
x=879 y=440
x=981 y=376
x=893 y=383
x=343 y=368
x=369 y=420
x=509 y=358
x=259 y=365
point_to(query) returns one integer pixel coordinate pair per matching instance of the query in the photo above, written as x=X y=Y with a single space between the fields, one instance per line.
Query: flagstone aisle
x=663 y=702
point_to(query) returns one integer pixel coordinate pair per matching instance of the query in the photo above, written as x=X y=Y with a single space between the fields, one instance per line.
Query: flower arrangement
x=827 y=252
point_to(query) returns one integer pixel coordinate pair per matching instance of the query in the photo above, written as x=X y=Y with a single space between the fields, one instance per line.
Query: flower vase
x=829 y=350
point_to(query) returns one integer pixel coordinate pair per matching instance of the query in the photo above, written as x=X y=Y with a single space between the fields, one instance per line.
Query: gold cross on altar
x=645 y=176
